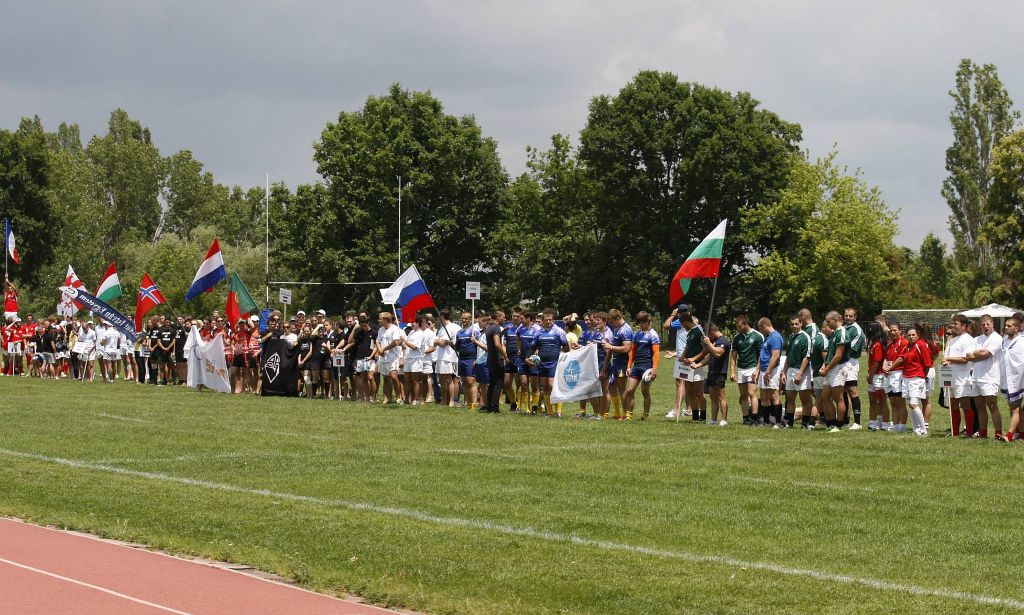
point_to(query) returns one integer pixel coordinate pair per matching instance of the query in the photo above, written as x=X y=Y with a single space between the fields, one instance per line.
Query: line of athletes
x=824 y=367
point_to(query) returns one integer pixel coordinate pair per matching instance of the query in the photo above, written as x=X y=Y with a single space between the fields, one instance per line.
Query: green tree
x=672 y=160
x=842 y=249
x=1004 y=230
x=454 y=185
x=131 y=174
x=982 y=115
x=933 y=267
x=558 y=269
x=25 y=197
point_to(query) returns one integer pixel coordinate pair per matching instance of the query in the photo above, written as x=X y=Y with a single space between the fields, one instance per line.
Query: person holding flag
x=10 y=300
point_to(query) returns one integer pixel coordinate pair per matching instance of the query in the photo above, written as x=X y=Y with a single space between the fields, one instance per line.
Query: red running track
x=45 y=571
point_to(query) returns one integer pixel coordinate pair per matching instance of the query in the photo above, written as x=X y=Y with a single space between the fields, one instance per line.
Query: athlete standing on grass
x=617 y=361
x=510 y=340
x=987 y=364
x=959 y=347
x=770 y=369
x=799 y=373
x=716 y=359
x=832 y=371
x=694 y=377
x=643 y=355
x=1012 y=380
x=600 y=336
x=855 y=335
x=550 y=342
x=878 y=408
x=915 y=362
x=743 y=363
x=681 y=368
x=529 y=386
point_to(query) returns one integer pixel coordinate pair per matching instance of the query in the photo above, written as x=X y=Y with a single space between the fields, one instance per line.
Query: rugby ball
x=533 y=360
x=648 y=375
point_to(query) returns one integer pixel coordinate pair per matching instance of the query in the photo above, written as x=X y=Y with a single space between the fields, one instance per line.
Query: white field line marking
x=804 y=483
x=122 y=418
x=528 y=532
x=95 y=587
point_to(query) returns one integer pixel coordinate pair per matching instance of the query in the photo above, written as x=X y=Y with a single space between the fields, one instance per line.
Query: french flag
x=12 y=250
x=410 y=293
x=210 y=272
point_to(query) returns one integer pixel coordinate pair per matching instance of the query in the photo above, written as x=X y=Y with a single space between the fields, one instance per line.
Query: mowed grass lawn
x=444 y=511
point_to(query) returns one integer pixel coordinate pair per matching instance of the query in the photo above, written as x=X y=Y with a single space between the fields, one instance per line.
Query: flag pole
x=266 y=203
x=711 y=310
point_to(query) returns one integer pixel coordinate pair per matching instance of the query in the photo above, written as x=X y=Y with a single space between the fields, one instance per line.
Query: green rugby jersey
x=747 y=348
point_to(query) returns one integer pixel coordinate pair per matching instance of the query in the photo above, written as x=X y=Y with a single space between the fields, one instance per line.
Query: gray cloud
x=249 y=86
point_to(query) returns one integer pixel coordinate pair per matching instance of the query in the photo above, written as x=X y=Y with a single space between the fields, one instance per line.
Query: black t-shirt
x=154 y=337
x=305 y=345
x=48 y=338
x=492 y=330
x=364 y=343
x=166 y=336
x=180 y=337
x=719 y=365
x=60 y=342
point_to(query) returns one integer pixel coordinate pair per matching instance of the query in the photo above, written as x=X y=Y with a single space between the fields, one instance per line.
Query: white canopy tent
x=994 y=310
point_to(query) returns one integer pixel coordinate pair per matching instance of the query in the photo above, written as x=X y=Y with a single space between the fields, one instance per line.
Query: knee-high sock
x=617 y=404
x=856 y=409
x=954 y=419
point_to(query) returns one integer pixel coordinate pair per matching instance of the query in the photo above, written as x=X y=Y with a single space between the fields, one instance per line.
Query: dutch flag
x=210 y=272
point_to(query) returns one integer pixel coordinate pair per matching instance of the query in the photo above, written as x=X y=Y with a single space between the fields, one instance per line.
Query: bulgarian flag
x=110 y=285
x=704 y=262
x=240 y=302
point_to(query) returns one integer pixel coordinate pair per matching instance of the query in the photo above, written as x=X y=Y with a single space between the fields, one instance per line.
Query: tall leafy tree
x=842 y=242
x=934 y=266
x=454 y=185
x=673 y=159
x=982 y=115
x=25 y=197
x=131 y=174
x=1004 y=230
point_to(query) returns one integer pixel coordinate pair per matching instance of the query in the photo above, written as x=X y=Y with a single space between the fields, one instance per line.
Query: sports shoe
x=711 y=421
x=921 y=432
x=832 y=429
x=872 y=426
x=581 y=415
x=855 y=427
x=687 y=412
x=723 y=424
x=672 y=414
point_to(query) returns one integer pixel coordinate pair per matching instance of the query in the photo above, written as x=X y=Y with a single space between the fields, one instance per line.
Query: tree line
x=603 y=219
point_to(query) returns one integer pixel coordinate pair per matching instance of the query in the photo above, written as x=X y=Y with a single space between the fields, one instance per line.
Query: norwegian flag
x=149 y=297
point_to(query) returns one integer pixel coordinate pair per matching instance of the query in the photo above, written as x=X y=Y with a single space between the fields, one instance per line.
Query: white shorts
x=447 y=367
x=10 y=316
x=929 y=381
x=986 y=389
x=47 y=357
x=428 y=367
x=696 y=375
x=876 y=383
x=894 y=382
x=112 y=355
x=818 y=382
x=836 y=377
x=852 y=369
x=386 y=367
x=745 y=375
x=14 y=348
x=773 y=380
x=363 y=365
x=963 y=388
x=63 y=354
x=915 y=388
x=417 y=366
x=802 y=385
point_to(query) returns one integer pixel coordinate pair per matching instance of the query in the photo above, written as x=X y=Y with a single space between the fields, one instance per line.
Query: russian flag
x=210 y=272
x=410 y=293
x=9 y=240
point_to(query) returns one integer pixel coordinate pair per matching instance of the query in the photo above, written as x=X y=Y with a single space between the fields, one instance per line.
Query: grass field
x=446 y=512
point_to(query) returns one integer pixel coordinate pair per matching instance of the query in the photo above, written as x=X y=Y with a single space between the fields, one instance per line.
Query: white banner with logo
x=577 y=375
x=206 y=363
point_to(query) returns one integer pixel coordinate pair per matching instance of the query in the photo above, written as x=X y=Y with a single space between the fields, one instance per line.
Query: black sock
x=856 y=409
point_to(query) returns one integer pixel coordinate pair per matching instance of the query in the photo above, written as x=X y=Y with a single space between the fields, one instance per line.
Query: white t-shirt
x=386 y=335
x=88 y=338
x=959 y=347
x=447 y=352
x=416 y=337
x=428 y=340
x=988 y=370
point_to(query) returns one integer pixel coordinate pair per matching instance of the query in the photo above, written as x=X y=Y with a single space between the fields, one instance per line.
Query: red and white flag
x=67 y=305
x=149 y=297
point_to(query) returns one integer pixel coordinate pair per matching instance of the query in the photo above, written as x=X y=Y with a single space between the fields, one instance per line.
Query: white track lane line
x=418 y=515
x=95 y=587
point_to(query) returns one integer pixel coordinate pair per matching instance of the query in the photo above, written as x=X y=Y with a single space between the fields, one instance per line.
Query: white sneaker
x=872 y=425
x=855 y=426
x=672 y=414
x=922 y=432
x=687 y=412
x=711 y=421
x=723 y=424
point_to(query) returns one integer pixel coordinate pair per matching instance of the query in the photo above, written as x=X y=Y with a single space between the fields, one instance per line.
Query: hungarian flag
x=704 y=262
x=149 y=297
x=110 y=285
x=240 y=302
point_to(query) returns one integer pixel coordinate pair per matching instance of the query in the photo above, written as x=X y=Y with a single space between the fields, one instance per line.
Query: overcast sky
x=248 y=86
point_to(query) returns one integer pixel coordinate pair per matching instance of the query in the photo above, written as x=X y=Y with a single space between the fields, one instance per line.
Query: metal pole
x=707 y=324
x=399 y=225
x=266 y=202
